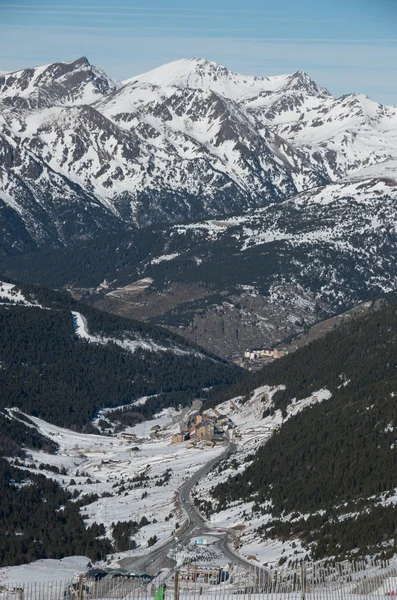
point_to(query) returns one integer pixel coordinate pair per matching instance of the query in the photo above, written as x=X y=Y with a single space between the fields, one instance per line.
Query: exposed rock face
x=81 y=154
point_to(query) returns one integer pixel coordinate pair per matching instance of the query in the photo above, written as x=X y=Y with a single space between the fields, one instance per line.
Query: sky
x=345 y=46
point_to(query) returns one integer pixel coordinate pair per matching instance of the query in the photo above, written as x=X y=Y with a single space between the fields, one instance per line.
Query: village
x=199 y=430
x=197 y=427
x=254 y=359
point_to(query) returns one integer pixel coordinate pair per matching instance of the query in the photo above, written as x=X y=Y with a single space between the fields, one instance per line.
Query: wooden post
x=80 y=590
x=303 y=582
x=176 y=585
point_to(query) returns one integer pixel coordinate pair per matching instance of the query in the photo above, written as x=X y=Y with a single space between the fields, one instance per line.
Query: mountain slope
x=40 y=519
x=86 y=359
x=327 y=474
x=69 y=83
x=202 y=74
x=288 y=265
x=187 y=141
x=64 y=361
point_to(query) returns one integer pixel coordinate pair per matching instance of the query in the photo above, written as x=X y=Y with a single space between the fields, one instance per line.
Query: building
x=205 y=430
x=128 y=436
x=197 y=404
x=198 y=419
x=178 y=438
x=263 y=353
x=222 y=420
x=238 y=360
x=211 y=574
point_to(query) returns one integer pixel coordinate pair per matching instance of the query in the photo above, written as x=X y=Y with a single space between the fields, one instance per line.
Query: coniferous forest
x=49 y=372
x=327 y=473
x=39 y=520
x=340 y=456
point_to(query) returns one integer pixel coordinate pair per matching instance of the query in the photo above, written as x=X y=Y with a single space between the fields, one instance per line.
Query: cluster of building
x=203 y=428
x=254 y=359
x=131 y=437
x=264 y=353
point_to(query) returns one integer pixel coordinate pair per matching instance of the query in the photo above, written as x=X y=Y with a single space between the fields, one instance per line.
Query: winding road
x=196 y=527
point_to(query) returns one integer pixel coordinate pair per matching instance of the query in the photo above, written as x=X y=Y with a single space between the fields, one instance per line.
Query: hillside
x=31 y=528
x=326 y=477
x=144 y=189
x=62 y=361
x=288 y=265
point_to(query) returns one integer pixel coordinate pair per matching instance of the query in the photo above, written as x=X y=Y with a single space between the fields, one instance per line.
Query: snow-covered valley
x=139 y=477
x=126 y=474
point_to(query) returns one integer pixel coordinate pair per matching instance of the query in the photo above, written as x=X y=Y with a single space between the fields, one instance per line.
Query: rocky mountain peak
x=60 y=83
x=188 y=140
x=82 y=61
x=301 y=81
x=199 y=73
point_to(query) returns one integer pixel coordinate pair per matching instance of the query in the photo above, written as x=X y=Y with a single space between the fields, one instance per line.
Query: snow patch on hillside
x=10 y=292
x=43 y=571
x=164 y=257
x=110 y=466
x=81 y=330
x=254 y=430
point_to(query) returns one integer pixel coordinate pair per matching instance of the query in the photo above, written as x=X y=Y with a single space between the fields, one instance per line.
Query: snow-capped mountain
x=201 y=74
x=67 y=83
x=186 y=141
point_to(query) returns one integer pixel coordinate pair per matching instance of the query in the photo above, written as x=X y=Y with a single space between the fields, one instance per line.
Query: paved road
x=196 y=527
x=197 y=524
x=155 y=560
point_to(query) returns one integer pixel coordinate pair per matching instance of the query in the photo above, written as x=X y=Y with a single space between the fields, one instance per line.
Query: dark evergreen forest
x=39 y=520
x=47 y=371
x=339 y=456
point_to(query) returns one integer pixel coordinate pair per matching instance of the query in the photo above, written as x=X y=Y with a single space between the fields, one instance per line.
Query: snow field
x=98 y=465
x=44 y=571
x=8 y=291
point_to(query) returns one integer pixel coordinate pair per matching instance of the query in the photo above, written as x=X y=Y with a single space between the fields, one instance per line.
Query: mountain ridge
x=109 y=361
x=137 y=153
x=200 y=73
x=290 y=265
x=326 y=474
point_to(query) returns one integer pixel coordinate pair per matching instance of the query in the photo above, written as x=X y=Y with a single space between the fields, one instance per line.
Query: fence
x=302 y=581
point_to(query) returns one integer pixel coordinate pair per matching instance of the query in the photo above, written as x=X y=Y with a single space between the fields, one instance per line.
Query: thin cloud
x=241 y=38
x=181 y=14
x=93 y=8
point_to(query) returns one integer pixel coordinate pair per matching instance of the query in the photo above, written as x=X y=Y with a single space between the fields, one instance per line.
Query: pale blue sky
x=346 y=46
